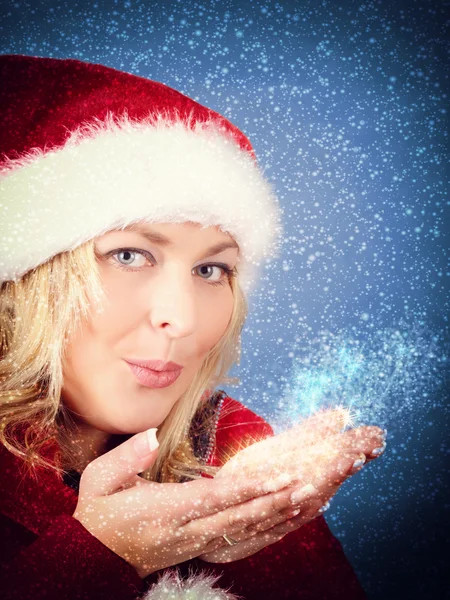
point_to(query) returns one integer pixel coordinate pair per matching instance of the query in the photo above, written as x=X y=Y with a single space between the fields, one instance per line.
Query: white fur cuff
x=196 y=587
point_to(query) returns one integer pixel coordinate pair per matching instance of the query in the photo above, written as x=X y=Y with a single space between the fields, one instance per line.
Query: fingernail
x=145 y=443
x=358 y=463
x=152 y=440
x=325 y=507
x=377 y=451
x=302 y=494
x=277 y=484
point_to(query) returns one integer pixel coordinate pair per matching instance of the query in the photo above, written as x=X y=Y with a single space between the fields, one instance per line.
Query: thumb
x=116 y=468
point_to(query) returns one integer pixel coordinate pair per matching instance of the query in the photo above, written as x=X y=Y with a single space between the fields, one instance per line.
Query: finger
x=265 y=456
x=328 y=474
x=364 y=439
x=259 y=539
x=327 y=421
x=201 y=546
x=209 y=496
x=359 y=447
x=134 y=481
x=359 y=439
x=302 y=500
x=315 y=509
x=236 y=518
x=119 y=466
x=246 y=547
x=281 y=517
x=299 y=464
x=297 y=521
x=334 y=472
x=194 y=545
x=293 y=499
x=339 y=448
x=312 y=430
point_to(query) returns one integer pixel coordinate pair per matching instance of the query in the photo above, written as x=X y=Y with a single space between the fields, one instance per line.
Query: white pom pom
x=198 y=586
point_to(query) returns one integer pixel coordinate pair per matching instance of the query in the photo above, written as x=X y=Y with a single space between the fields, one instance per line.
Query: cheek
x=214 y=319
x=80 y=366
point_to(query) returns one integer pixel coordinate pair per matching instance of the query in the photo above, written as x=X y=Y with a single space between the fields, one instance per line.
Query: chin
x=130 y=425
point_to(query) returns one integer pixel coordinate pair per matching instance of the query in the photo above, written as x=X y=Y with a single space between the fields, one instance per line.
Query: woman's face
x=164 y=300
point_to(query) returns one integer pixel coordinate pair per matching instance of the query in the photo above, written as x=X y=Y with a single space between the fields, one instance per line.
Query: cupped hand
x=268 y=457
x=153 y=525
x=316 y=458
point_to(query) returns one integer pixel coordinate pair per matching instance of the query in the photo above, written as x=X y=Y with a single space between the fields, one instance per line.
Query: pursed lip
x=155 y=365
x=153 y=379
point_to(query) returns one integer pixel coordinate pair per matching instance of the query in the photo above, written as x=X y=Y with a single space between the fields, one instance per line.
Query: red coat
x=46 y=553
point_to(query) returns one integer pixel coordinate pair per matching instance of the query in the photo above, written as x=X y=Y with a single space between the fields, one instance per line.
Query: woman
x=133 y=221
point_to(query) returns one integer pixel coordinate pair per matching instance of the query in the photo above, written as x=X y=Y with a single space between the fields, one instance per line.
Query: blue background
x=346 y=104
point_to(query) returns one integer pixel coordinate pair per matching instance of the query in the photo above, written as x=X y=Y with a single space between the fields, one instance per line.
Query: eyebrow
x=162 y=240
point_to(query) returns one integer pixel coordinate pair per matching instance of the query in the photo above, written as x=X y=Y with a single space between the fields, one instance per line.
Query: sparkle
x=382 y=380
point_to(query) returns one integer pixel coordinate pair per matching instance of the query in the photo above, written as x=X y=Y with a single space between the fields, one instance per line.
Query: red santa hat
x=85 y=148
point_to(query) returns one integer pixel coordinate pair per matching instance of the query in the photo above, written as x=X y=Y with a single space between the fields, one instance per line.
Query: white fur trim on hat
x=112 y=173
x=197 y=586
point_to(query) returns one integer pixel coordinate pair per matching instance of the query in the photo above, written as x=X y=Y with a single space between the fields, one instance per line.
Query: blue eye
x=130 y=254
x=224 y=269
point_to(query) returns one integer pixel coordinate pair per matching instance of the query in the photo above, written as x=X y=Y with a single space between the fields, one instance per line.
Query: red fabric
x=46 y=553
x=43 y=99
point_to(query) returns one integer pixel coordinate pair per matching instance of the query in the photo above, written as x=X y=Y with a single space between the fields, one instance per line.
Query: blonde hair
x=38 y=315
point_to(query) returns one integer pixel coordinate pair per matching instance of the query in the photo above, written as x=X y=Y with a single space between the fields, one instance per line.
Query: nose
x=173 y=304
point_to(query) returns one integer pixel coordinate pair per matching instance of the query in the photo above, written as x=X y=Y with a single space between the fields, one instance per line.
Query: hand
x=153 y=525
x=269 y=457
x=322 y=468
